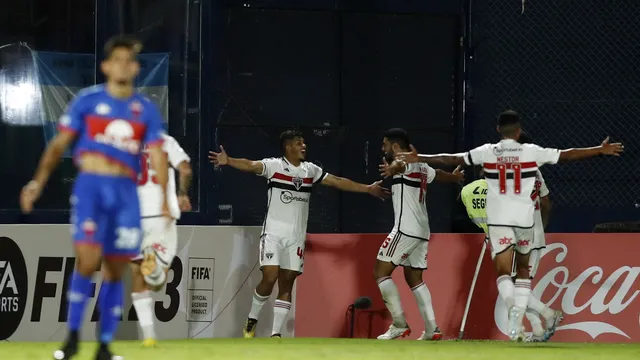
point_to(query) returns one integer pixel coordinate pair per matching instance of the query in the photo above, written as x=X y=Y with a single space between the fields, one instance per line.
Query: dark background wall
x=343 y=72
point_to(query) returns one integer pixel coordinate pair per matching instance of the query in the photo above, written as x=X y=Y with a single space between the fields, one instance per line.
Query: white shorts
x=403 y=250
x=287 y=253
x=503 y=237
x=164 y=241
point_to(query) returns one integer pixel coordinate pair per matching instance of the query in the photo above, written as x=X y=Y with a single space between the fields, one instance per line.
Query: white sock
x=536 y=323
x=143 y=303
x=539 y=307
x=423 y=298
x=256 y=305
x=280 y=312
x=391 y=299
x=522 y=292
x=506 y=290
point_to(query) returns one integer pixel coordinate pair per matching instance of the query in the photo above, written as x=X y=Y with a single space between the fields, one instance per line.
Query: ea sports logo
x=13 y=287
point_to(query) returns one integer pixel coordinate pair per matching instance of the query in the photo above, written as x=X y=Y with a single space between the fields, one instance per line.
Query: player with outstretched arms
x=510 y=169
x=110 y=124
x=408 y=241
x=159 y=243
x=290 y=180
x=474 y=198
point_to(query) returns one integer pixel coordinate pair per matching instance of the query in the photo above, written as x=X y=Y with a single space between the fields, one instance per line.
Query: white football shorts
x=287 y=253
x=163 y=240
x=503 y=237
x=403 y=250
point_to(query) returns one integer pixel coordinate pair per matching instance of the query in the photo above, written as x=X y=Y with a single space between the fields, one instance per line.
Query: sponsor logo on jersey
x=119 y=134
x=287 y=197
x=103 y=109
x=523 y=242
x=13 y=287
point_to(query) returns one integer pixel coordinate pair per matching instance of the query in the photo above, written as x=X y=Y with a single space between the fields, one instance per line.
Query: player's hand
x=459 y=173
x=378 y=191
x=184 y=203
x=29 y=195
x=218 y=158
x=409 y=157
x=614 y=149
x=385 y=169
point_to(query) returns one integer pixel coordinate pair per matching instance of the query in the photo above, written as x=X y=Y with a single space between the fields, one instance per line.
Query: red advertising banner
x=593 y=278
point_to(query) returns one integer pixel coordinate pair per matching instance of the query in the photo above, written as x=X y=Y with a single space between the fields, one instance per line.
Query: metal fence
x=570 y=68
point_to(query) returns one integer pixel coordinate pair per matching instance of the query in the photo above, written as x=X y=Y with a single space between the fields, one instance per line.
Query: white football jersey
x=510 y=169
x=149 y=192
x=540 y=190
x=288 y=196
x=409 y=196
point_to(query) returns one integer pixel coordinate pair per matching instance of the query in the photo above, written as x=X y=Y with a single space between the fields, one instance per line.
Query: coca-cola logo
x=615 y=292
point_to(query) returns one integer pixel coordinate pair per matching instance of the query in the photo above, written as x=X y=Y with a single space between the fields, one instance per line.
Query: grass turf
x=303 y=349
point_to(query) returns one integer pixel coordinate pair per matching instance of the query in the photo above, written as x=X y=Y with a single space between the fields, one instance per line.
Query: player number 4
x=517 y=178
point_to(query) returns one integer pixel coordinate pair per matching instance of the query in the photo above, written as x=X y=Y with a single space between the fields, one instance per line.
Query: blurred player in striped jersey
x=510 y=169
x=407 y=243
x=474 y=198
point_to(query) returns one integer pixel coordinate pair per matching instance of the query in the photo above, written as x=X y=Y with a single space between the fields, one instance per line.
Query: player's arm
x=605 y=148
x=70 y=124
x=396 y=167
x=222 y=159
x=437 y=159
x=457 y=176
x=180 y=161
x=545 y=210
x=345 y=184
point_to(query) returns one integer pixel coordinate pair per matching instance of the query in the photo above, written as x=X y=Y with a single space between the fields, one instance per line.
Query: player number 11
x=502 y=178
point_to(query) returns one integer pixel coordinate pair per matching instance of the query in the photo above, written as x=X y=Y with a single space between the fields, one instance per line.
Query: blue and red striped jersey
x=117 y=129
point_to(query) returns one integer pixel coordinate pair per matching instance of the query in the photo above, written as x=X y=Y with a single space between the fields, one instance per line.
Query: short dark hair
x=287 y=136
x=508 y=122
x=122 y=41
x=525 y=138
x=398 y=136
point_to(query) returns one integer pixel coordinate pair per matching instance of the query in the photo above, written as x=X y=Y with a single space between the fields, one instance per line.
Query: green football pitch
x=303 y=349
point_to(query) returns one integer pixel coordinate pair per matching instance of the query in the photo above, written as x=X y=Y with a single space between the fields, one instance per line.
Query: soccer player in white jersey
x=159 y=243
x=510 y=169
x=290 y=179
x=408 y=241
x=535 y=307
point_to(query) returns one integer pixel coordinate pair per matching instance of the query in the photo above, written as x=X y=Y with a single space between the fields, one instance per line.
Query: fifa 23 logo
x=601 y=301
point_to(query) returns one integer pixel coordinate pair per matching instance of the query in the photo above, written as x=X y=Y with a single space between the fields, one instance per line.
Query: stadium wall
x=208 y=294
x=594 y=279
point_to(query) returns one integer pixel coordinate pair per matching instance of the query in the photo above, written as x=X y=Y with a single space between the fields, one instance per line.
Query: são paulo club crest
x=297 y=182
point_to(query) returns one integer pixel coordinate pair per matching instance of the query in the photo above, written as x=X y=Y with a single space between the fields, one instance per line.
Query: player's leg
x=536 y=308
x=270 y=253
x=524 y=239
x=162 y=244
x=413 y=270
x=291 y=265
x=121 y=244
x=502 y=242
x=389 y=257
x=87 y=230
